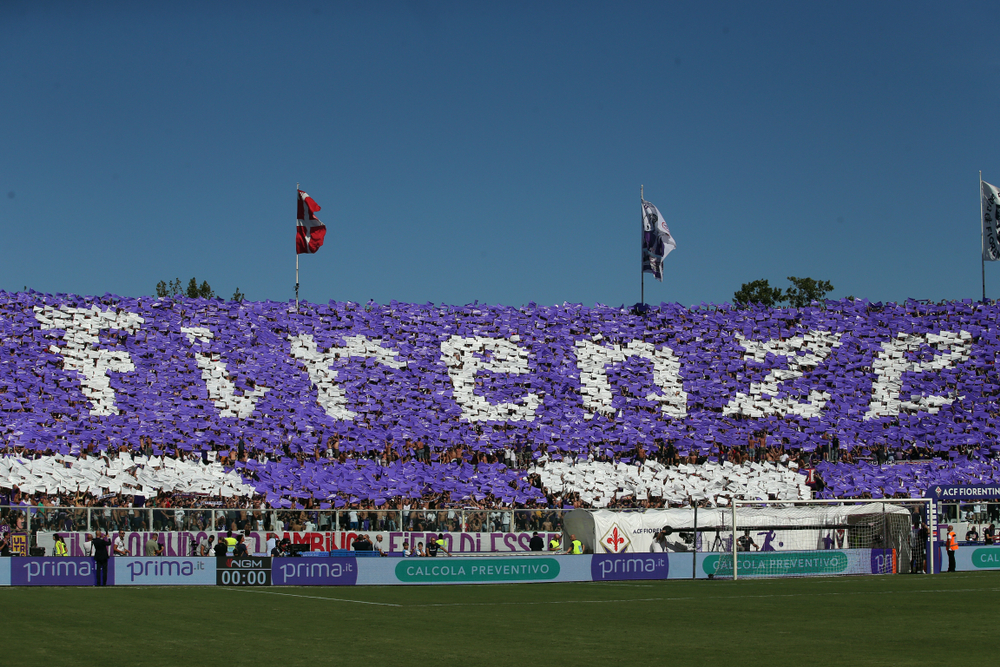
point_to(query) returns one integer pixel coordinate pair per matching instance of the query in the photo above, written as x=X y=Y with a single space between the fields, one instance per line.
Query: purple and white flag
x=656 y=240
x=991 y=214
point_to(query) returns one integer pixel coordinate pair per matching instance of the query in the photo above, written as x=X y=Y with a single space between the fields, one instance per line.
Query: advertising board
x=53 y=571
x=631 y=566
x=477 y=570
x=972 y=558
x=130 y=571
x=315 y=571
x=798 y=563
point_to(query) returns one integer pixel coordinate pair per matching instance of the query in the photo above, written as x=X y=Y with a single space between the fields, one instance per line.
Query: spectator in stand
x=101 y=547
x=379 y=547
x=989 y=534
x=420 y=550
x=152 y=546
x=972 y=535
x=406 y=549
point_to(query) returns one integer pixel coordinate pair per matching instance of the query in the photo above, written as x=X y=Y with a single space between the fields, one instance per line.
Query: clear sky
x=494 y=151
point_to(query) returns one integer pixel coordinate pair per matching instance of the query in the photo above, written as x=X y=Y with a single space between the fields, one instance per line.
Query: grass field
x=886 y=620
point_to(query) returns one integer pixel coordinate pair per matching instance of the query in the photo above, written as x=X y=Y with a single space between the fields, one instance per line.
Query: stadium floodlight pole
x=642 y=256
x=982 y=235
x=296 y=263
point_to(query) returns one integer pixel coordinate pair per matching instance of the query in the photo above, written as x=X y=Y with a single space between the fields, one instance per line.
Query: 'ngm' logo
x=615 y=540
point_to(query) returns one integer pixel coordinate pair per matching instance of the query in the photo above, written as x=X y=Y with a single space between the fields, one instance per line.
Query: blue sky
x=494 y=152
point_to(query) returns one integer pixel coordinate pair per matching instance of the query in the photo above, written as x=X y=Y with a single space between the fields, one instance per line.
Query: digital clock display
x=245 y=571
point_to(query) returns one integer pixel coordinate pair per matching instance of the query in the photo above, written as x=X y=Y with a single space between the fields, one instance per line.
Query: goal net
x=821 y=538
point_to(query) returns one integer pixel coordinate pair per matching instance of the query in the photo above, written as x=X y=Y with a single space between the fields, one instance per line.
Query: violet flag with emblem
x=310 y=231
x=656 y=240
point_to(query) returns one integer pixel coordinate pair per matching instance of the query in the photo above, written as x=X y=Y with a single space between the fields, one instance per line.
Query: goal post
x=827 y=537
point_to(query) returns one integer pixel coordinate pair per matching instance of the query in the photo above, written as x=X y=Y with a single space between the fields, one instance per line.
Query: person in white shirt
x=406 y=549
x=379 y=547
x=88 y=545
x=120 y=546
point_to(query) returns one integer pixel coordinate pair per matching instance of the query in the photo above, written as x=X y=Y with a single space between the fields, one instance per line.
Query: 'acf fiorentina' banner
x=946 y=492
x=183 y=543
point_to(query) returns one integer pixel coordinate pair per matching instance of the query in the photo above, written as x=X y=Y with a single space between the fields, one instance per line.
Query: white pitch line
x=314 y=597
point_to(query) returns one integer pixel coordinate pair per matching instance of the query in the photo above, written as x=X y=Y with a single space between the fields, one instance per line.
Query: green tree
x=760 y=292
x=172 y=288
x=806 y=290
x=194 y=290
x=239 y=296
x=203 y=291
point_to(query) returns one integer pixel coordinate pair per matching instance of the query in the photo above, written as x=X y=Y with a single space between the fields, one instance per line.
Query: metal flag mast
x=982 y=235
x=296 y=254
x=642 y=255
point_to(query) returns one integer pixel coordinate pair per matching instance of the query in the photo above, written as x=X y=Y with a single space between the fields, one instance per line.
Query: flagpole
x=642 y=257
x=296 y=259
x=982 y=236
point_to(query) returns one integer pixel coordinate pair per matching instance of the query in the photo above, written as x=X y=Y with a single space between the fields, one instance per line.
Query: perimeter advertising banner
x=478 y=570
x=971 y=558
x=52 y=571
x=5 y=571
x=798 y=564
x=163 y=571
x=316 y=571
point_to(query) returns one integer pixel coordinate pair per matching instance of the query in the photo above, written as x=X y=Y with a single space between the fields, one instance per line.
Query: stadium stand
x=373 y=406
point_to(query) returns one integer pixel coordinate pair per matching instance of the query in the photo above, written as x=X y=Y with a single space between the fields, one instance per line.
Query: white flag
x=991 y=213
x=657 y=242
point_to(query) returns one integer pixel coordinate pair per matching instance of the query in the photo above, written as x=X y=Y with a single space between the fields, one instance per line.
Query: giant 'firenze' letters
x=487 y=377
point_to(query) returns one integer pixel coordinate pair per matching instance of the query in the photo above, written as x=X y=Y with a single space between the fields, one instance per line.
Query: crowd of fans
x=296 y=457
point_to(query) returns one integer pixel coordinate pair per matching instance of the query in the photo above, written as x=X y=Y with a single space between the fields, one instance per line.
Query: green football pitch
x=874 y=620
